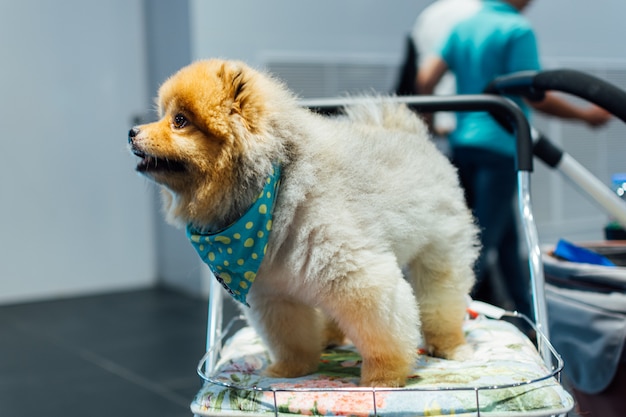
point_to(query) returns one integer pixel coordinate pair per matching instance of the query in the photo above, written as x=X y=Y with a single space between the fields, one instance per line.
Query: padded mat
x=502 y=379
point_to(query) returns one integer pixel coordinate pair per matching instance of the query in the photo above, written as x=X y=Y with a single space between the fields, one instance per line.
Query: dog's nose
x=132 y=133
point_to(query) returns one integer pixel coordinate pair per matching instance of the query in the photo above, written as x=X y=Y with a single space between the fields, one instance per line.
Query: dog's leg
x=376 y=309
x=441 y=293
x=293 y=334
x=333 y=335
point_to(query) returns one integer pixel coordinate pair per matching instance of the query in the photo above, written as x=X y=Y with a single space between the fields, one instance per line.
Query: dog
x=312 y=222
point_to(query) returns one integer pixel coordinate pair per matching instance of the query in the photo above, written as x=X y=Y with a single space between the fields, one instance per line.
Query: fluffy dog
x=332 y=208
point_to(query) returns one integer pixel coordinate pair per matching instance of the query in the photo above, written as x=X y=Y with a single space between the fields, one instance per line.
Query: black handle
x=533 y=84
x=547 y=151
x=519 y=83
x=499 y=106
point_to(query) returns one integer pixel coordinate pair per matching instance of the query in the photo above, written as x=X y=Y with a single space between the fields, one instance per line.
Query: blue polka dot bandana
x=235 y=253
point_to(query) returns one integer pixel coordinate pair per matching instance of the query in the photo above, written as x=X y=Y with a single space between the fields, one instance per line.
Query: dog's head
x=205 y=110
x=211 y=121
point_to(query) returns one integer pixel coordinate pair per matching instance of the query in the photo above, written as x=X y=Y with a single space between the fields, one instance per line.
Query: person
x=495 y=40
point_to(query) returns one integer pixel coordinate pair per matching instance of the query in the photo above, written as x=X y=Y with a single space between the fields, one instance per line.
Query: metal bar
x=501 y=106
x=537 y=280
x=374 y=399
x=598 y=191
x=214 y=330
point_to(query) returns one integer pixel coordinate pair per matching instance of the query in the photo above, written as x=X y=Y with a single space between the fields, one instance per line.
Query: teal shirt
x=495 y=41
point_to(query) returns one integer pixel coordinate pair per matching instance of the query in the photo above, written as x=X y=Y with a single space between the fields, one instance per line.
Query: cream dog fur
x=360 y=197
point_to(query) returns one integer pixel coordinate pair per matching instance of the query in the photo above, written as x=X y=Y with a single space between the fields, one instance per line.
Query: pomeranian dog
x=307 y=220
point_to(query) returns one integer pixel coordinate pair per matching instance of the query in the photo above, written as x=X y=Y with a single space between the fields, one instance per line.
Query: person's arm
x=429 y=74
x=556 y=106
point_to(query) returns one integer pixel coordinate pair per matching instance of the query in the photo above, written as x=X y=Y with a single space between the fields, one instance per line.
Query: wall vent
x=325 y=77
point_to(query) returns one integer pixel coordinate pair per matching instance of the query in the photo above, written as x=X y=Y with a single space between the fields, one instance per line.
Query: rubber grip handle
x=585 y=86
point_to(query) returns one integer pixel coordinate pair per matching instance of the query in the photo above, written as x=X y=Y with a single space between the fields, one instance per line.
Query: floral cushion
x=500 y=380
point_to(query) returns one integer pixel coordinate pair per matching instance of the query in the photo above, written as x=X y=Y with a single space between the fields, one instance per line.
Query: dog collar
x=234 y=254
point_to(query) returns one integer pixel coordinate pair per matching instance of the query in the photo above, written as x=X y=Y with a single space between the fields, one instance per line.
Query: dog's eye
x=180 y=121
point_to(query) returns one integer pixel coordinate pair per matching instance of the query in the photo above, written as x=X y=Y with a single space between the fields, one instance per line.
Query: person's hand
x=596 y=116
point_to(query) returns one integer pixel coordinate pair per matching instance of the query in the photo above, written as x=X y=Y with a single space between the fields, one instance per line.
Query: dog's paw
x=395 y=382
x=461 y=353
x=391 y=372
x=289 y=369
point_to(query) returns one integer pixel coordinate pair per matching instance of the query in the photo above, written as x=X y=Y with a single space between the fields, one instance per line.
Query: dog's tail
x=383 y=112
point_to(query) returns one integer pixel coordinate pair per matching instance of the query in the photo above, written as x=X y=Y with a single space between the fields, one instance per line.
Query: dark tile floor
x=123 y=354
x=114 y=355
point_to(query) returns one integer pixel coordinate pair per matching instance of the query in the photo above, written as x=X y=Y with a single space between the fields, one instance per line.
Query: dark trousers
x=490 y=183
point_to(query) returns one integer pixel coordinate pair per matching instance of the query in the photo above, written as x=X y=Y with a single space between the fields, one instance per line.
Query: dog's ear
x=239 y=83
x=239 y=92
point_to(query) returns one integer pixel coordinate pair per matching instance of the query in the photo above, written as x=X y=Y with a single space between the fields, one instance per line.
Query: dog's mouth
x=150 y=163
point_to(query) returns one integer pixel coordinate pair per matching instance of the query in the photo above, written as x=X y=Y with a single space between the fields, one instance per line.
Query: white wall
x=74 y=217
x=249 y=29
x=579 y=29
